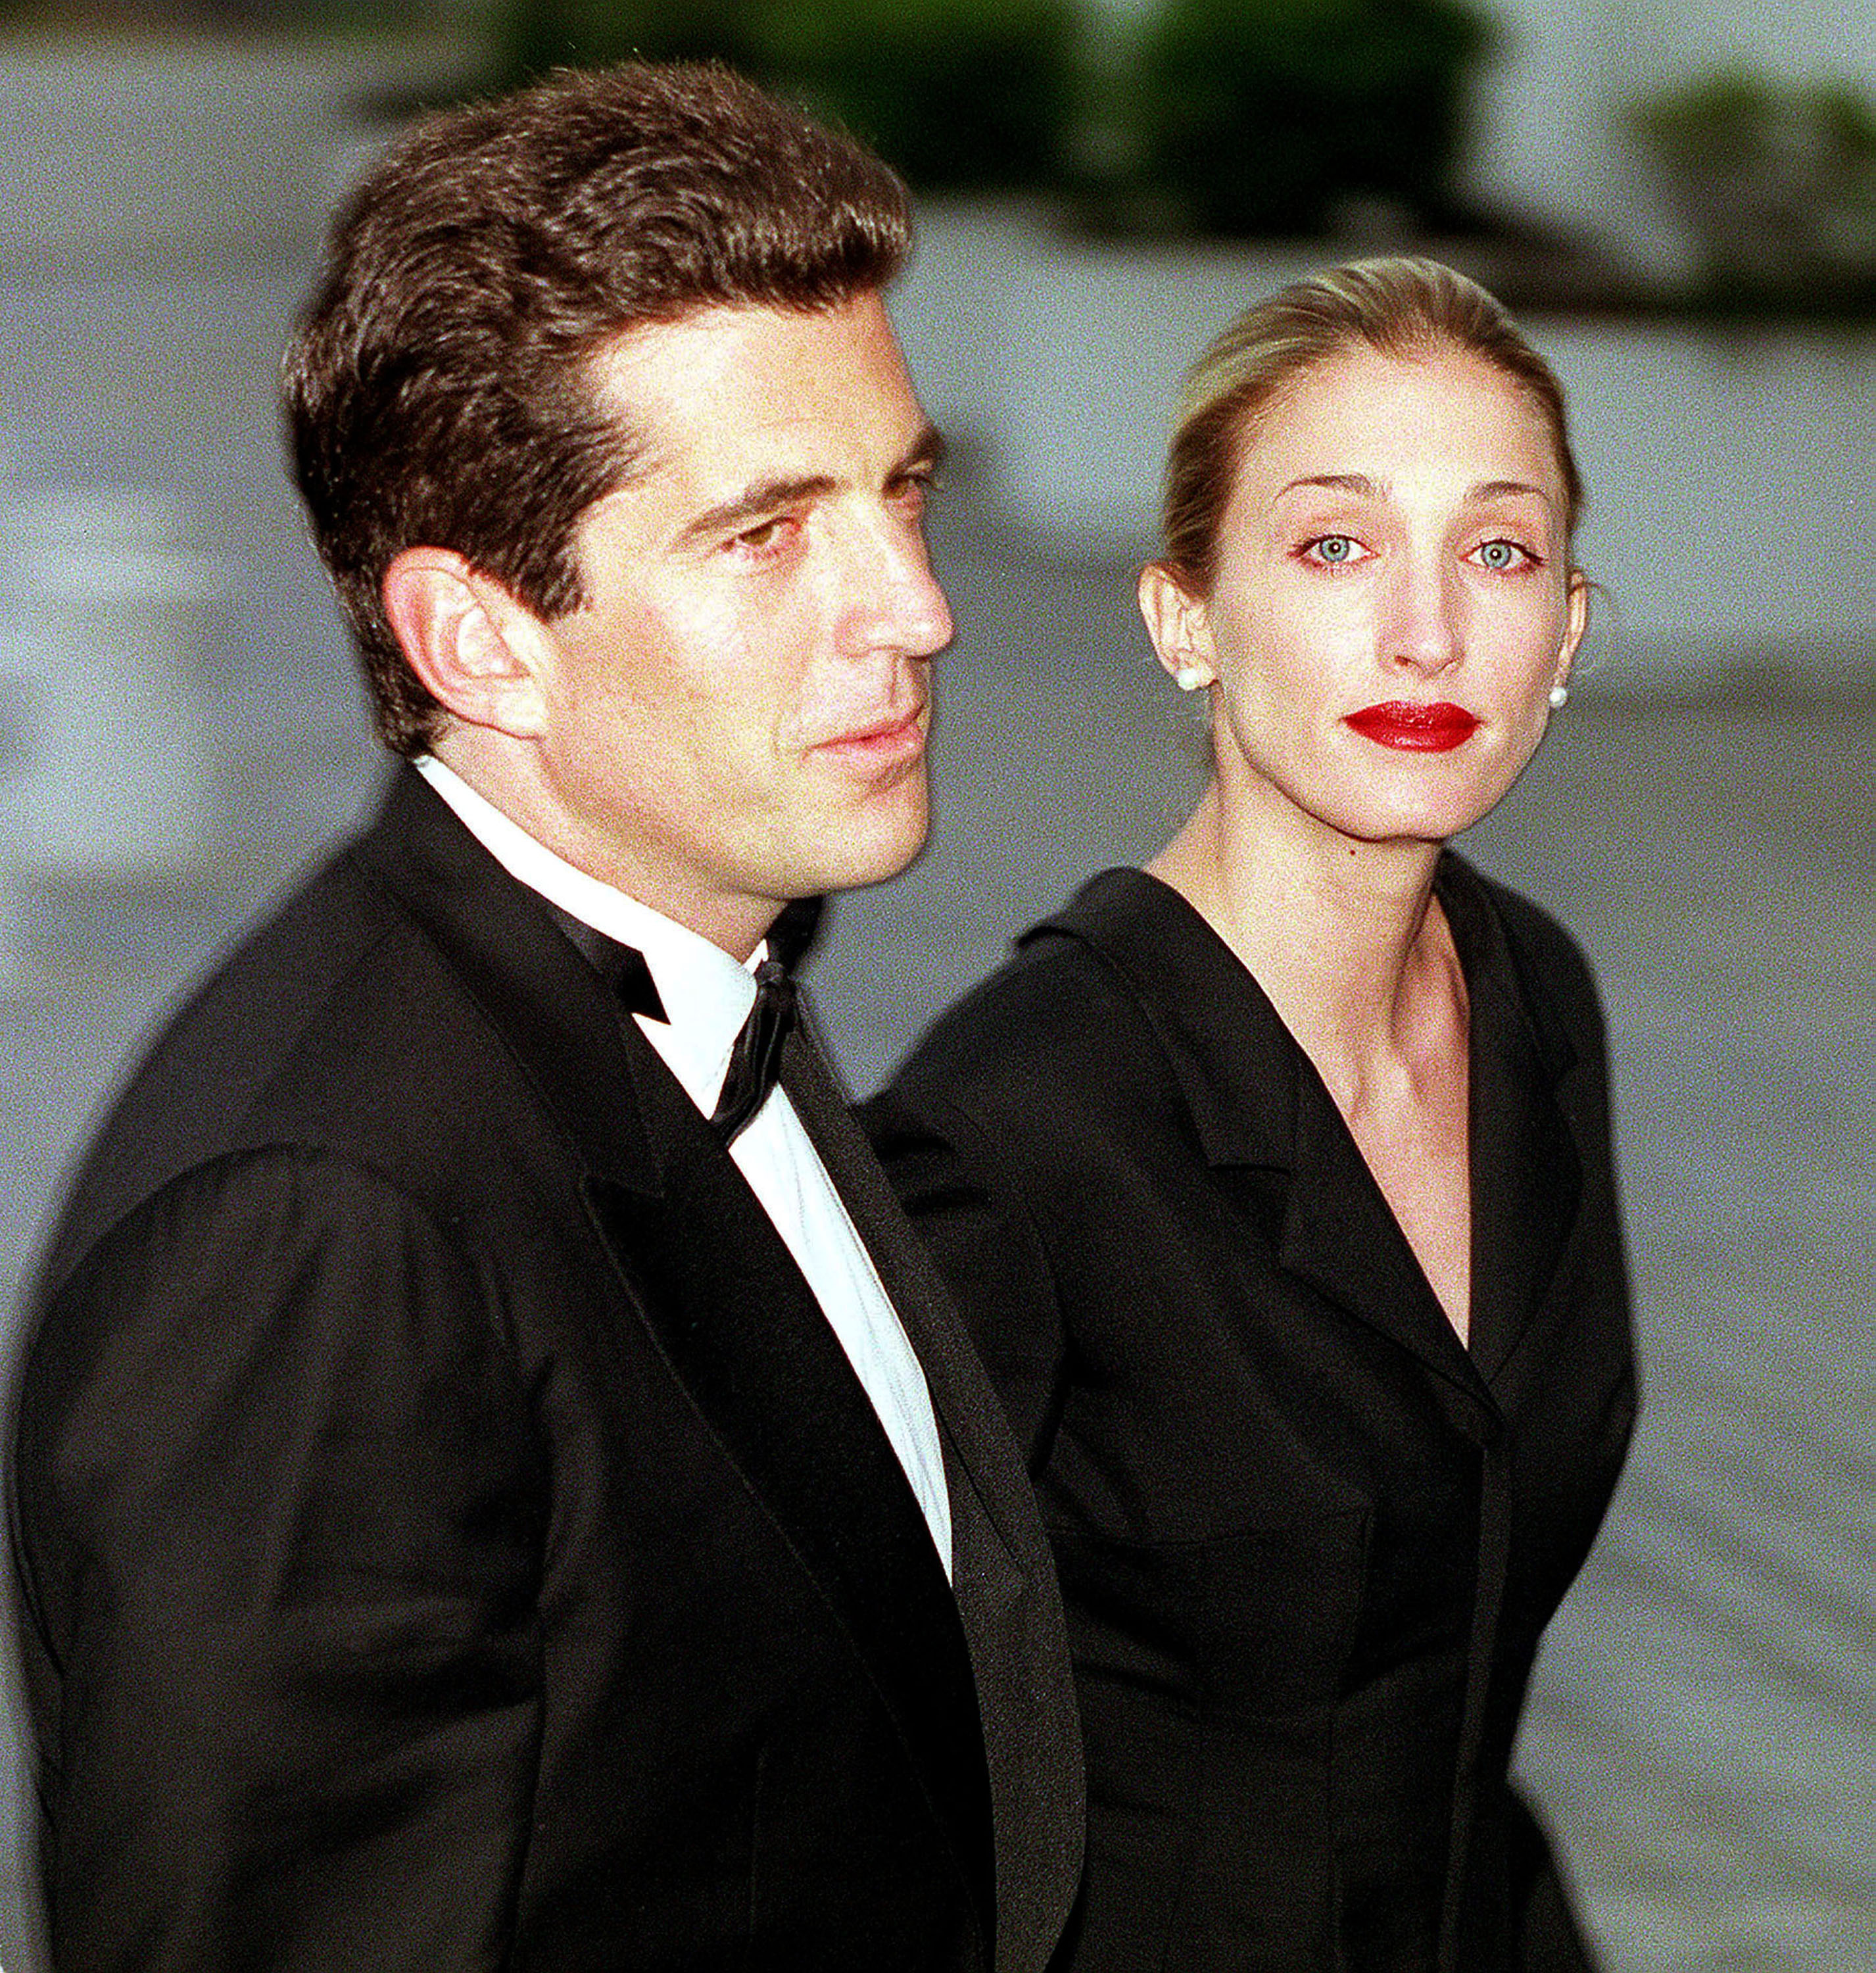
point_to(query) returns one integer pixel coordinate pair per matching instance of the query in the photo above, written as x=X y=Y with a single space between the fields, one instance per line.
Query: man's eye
x=764 y=535
x=914 y=490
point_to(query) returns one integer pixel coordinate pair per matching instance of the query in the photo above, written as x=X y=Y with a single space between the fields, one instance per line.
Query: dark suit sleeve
x=276 y=1546
x=978 y=1229
x=1548 y=1938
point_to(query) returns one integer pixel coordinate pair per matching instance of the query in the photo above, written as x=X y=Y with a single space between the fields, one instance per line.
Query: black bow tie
x=756 y=1060
x=755 y=1057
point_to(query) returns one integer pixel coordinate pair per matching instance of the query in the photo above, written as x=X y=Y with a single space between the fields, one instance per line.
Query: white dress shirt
x=707 y=995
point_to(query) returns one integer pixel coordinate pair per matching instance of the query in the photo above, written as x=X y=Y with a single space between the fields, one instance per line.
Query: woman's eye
x=1502 y=557
x=1333 y=549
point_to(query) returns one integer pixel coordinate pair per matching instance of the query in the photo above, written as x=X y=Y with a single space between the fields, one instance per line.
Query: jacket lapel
x=955 y=1754
x=1258 y=1105
x=539 y=995
x=742 y=1333
x=969 y=1416
x=1004 y=1575
x=1527 y=1173
x=1340 y=1235
x=718 y=1291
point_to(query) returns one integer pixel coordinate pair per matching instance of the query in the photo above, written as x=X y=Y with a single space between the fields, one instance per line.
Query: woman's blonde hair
x=1400 y=307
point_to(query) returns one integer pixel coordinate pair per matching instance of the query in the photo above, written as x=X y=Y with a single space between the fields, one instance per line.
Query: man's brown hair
x=437 y=391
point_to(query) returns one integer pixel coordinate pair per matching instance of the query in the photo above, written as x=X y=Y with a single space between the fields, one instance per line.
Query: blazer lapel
x=1257 y=1104
x=1340 y=1235
x=540 y=996
x=969 y=1416
x=1004 y=1575
x=1527 y=1174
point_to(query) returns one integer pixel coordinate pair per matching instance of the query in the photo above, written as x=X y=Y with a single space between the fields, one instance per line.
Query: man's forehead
x=740 y=348
x=746 y=387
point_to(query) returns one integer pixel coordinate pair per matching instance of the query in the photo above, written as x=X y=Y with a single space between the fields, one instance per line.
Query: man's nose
x=894 y=602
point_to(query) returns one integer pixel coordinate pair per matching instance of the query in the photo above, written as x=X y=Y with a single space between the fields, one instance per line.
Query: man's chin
x=875 y=850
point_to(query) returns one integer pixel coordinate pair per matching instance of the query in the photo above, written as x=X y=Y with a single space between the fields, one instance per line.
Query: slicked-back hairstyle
x=438 y=391
x=1401 y=307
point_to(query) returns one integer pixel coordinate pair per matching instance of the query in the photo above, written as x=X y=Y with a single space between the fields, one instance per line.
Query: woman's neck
x=1342 y=935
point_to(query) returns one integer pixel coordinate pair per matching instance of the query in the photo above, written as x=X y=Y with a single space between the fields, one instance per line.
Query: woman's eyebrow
x=1338 y=482
x=1500 y=489
x=1367 y=488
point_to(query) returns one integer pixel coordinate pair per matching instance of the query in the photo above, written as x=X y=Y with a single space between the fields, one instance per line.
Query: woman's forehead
x=1363 y=413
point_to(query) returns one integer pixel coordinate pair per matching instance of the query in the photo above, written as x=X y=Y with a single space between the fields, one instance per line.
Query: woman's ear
x=1177 y=622
x=1577 y=621
x=480 y=652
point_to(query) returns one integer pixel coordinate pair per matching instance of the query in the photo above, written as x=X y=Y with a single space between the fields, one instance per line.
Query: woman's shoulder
x=1071 y=1000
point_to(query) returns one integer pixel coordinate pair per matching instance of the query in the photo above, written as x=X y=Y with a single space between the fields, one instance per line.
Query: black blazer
x=1308 y=1540
x=448 y=1534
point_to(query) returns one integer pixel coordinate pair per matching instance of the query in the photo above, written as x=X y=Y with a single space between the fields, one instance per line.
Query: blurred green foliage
x=1232 y=115
x=533 y=36
x=1775 y=183
x=1265 y=115
x=959 y=94
x=362 y=18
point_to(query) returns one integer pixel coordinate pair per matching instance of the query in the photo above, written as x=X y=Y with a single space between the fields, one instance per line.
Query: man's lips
x=890 y=741
x=1415 y=729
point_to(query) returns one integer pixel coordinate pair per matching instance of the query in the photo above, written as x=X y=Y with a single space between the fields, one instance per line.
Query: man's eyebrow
x=926 y=454
x=770 y=496
x=766 y=496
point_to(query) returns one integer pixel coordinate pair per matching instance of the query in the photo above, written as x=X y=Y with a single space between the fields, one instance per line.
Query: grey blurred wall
x=160 y=220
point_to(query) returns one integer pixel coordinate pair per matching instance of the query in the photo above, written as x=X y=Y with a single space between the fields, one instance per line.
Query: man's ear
x=480 y=652
x=1177 y=622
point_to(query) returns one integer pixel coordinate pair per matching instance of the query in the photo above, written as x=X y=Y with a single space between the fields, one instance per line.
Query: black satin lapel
x=980 y=1454
x=970 y=1414
x=542 y=996
x=1527 y=1178
x=729 y=1309
x=1340 y=1236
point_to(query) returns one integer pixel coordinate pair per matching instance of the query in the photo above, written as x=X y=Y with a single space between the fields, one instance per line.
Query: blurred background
x=1682 y=204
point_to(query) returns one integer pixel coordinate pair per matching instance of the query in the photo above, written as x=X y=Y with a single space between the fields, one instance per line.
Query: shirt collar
x=707 y=994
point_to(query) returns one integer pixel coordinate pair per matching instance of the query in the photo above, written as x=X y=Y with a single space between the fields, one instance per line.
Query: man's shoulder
x=336 y=1026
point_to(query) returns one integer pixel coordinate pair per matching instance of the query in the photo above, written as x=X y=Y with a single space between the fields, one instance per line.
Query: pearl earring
x=1559 y=697
x=1189 y=678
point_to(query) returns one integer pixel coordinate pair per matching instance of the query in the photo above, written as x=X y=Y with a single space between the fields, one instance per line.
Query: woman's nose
x=1421 y=632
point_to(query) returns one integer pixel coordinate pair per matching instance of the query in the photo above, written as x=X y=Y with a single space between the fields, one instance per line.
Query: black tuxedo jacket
x=1308 y=1540
x=450 y=1535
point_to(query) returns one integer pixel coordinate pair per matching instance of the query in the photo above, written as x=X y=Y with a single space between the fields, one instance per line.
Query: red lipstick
x=1415 y=729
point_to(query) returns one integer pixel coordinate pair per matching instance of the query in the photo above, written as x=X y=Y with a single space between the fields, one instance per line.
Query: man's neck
x=508 y=786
